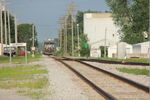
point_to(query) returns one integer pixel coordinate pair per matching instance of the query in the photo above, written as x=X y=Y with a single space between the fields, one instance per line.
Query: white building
x=142 y=50
x=112 y=51
x=120 y=50
x=141 y=47
x=100 y=30
x=124 y=50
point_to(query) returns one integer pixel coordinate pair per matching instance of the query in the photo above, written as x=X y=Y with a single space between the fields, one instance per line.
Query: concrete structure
x=95 y=52
x=141 y=47
x=100 y=30
x=141 y=50
x=123 y=49
x=120 y=50
x=112 y=51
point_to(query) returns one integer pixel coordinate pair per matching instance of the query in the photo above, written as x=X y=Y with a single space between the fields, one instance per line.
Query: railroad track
x=131 y=82
x=110 y=62
x=106 y=85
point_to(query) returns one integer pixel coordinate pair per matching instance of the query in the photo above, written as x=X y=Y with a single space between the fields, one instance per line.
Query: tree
x=25 y=35
x=132 y=16
x=84 y=50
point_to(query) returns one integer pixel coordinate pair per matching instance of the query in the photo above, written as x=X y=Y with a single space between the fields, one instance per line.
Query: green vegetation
x=29 y=80
x=19 y=60
x=134 y=71
x=126 y=60
x=25 y=35
x=102 y=48
x=84 y=47
x=132 y=16
x=138 y=60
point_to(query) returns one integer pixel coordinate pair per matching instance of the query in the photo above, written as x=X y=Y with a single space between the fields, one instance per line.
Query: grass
x=30 y=80
x=19 y=60
x=127 y=60
x=111 y=59
x=134 y=71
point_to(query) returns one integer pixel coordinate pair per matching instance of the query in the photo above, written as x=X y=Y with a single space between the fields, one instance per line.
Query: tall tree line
x=132 y=16
x=25 y=35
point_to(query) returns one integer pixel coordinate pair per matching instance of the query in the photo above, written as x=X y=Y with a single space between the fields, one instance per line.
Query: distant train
x=49 y=47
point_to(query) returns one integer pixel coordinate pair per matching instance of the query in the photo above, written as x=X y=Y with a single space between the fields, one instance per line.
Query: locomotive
x=49 y=47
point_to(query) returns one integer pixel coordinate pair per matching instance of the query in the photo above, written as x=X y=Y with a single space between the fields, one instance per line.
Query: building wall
x=136 y=49
x=141 y=47
x=145 y=47
x=112 y=50
x=95 y=26
x=99 y=25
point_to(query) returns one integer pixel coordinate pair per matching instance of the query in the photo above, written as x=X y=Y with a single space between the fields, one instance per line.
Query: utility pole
x=5 y=22
x=9 y=35
x=33 y=33
x=105 y=42
x=9 y=27
x=78 y=39
x=62 y=34
x=1 y=24
x=72 y=26
x=60 y=39
x=66 y=35
x=71 y=10
x=16 y=33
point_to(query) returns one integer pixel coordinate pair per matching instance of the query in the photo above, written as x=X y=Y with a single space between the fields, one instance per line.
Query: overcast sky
x=46 y=13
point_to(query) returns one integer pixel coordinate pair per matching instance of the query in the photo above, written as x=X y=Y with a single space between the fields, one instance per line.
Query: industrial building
x=100 y=30
x=121 y=50
x=142 y=50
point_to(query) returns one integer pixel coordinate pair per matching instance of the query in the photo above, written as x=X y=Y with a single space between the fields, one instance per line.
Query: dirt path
x=12 y=95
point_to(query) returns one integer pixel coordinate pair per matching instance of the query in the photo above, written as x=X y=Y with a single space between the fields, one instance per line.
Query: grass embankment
x=19 y=60
x=127 y=60
x=134 y=71
x=28 y=80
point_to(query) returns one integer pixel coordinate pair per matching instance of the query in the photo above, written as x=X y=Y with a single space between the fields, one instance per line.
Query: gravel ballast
x=143 y=79
x=65 y=85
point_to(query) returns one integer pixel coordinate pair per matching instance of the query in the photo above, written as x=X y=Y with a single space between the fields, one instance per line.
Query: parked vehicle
x=8 y=51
